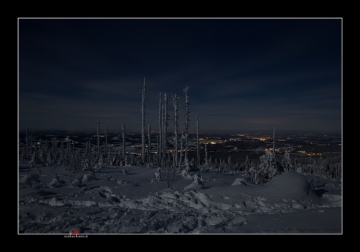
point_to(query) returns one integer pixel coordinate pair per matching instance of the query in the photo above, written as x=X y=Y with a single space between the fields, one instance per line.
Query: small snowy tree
x=286 y=162
x=157 y=176
x=266 y=170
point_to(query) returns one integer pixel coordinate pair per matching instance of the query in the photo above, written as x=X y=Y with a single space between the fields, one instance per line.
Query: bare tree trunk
x=274 y=142
x=149 y=142
x=98 y=140
x=197 y=142
x=143 y=124
x=186 y=91
x=123 y=140
x=27 y=144
x=181 y=149
x=160 y=130
x=165 y=124
x=176 y=102
x=106 y=143
x=206 y=157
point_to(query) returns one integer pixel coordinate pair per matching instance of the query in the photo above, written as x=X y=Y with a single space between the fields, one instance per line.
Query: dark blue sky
x=242 y=74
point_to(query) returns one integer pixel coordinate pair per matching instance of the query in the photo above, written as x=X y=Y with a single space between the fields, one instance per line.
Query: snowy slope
x=116 y=202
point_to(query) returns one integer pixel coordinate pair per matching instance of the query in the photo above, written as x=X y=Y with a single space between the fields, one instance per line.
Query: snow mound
x=197 y=184
x=31 y=180
x=56 y=182
x=239 y=181
x=292 y=185
x=89 y=177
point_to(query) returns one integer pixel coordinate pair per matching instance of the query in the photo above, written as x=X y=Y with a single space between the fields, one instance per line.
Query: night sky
x=242 y=74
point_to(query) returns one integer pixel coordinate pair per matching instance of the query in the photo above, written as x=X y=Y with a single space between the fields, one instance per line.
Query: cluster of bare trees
x=165 y=156
x=92 y=157
x=176 y=158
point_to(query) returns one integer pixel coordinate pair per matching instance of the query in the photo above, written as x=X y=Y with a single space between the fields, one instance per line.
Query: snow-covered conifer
x=286 y=162
x=266 y=169
x=157 y=175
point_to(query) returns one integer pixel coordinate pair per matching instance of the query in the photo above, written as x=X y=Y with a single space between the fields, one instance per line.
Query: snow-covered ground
x=116 y=202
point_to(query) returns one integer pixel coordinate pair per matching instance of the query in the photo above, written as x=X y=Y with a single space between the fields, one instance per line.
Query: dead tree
x=176 y=112
x=123 y=140
x=160 y=130
x=197 y=142
x=149 y=142
x=143 y=123
x=98 y=139
x=165 y=124
x=186 y=91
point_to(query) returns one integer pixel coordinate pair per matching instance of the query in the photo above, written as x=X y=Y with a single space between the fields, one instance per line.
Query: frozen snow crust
x=112 y=202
